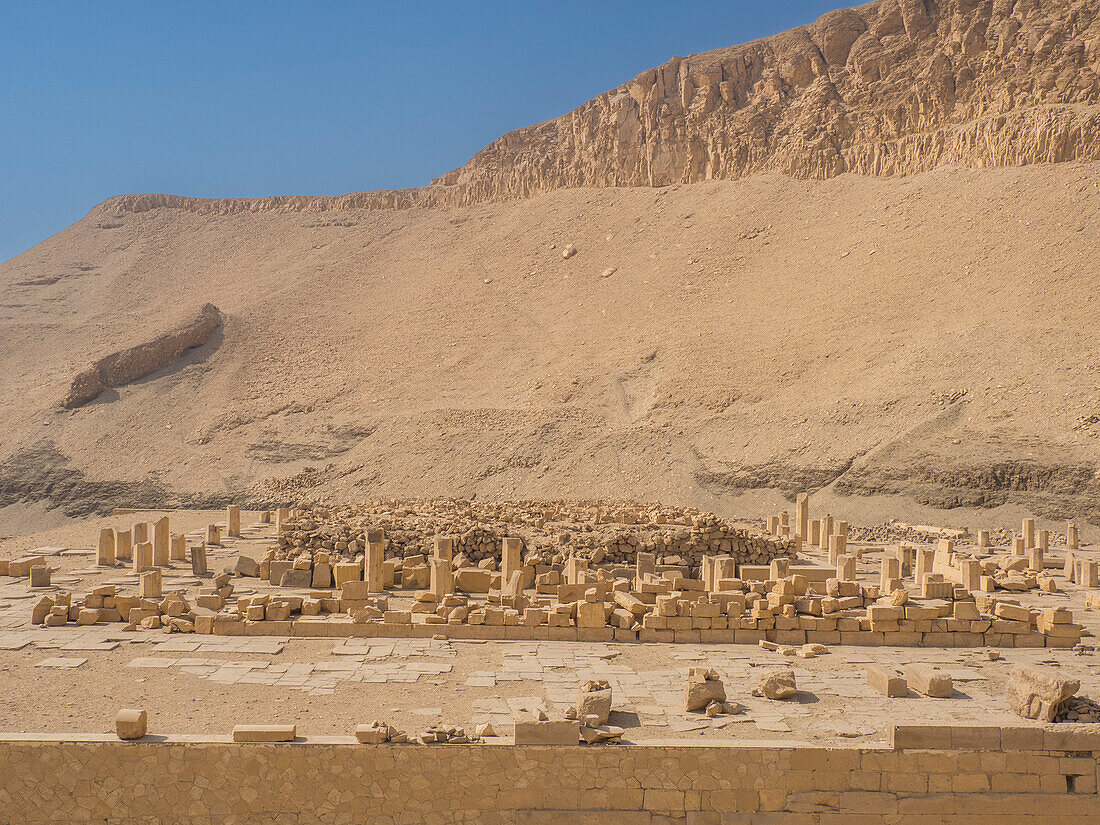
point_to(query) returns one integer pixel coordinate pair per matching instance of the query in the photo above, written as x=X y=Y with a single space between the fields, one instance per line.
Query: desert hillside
x=931 y=335
x=759 y=321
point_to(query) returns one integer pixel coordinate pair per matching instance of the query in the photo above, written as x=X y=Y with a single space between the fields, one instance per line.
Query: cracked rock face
x=894 y=87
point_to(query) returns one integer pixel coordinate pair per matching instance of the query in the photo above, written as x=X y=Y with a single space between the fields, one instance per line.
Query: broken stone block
x=131 y=723
x=889 y=682
x=702 y=687
x=594 y=735
x=41 y=610
x=1038 y=693
x=777 y=684
x=594 y=701
x=929 y=681
x=344 y=572
x=376 y=733
x=87 y=616
x=264 y=733
x=247 y=566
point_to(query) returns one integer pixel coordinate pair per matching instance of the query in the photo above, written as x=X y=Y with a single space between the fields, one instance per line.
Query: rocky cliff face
x=893 y=87
x=889 y=88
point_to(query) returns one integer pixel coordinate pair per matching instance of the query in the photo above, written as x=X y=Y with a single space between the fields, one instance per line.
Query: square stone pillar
x=124 y=548
x=826 y=531
x=510 y=557
x=373 y=571
x=178 y=548
x=198 y=560
x=444 y=548
x=846 y=567
x=161 y=539
x=644 y=564
x=1072 y=539
x=925 y=558
x=105 y=552
x=891 y=573
x=143 y=556
x=802 y=515
x=233 y=520
x=971 y=574
x=443 y=580
x=149 y=585
x=1028 y=532
x=140 y=532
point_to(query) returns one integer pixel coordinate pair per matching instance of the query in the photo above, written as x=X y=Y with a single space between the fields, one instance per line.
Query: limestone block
x=591 y=614
x=1011 y=612
x=473 y=580
x=529 y=730
x=247 y=566
x=929 y=681
x=887 y=681
x=322 y=575
x=40 y=576
x=131 y=723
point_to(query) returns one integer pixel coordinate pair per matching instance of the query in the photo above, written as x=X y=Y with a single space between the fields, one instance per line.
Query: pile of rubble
x=550 y=531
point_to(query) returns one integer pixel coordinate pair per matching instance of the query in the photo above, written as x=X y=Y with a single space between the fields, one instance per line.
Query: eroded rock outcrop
x=128 y=365
x=889 y=88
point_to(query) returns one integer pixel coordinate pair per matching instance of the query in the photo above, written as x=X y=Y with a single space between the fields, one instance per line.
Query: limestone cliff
x=893 y=87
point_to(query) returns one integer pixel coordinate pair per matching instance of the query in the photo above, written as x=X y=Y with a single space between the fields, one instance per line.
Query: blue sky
x=260 y=98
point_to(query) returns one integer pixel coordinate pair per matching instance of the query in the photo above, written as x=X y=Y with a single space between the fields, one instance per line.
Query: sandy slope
x=761 y=333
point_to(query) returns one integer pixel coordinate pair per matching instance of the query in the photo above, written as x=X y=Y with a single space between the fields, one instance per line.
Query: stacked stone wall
x=946 y=776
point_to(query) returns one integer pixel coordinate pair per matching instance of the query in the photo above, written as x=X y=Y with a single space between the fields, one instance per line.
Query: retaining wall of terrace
x=945 y=776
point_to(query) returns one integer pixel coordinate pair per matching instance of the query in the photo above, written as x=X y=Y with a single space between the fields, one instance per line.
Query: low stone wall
x=946 y=776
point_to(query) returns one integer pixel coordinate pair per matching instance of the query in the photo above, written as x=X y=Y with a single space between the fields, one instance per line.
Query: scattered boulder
x=131 y=723
x=701 y=688
x=569 y=251
x=777 y=684
x=601 y=733
x=247 y=566
x=594 y=702
x=1038 y=693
